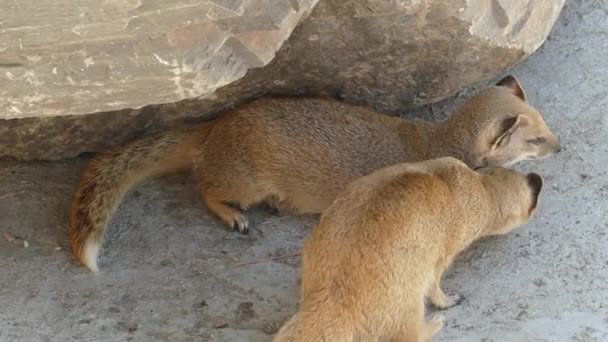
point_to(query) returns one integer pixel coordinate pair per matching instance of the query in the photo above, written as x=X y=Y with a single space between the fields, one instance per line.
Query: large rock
x=68 y=79
x=61 y=59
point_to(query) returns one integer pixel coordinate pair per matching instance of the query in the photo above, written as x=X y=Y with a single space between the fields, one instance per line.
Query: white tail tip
x=89 y=255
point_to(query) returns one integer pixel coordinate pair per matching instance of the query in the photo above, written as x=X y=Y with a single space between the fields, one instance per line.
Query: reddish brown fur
x=380 y=249
x=299 y=153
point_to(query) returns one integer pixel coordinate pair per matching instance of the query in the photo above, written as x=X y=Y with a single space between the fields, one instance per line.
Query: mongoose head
x=515 y=196
x=509 y=130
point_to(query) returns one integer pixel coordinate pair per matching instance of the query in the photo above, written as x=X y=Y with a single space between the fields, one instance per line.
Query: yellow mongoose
x=300 y=152
x=380 y=249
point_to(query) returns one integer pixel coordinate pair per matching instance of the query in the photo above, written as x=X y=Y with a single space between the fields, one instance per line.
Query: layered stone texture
x=64 y=59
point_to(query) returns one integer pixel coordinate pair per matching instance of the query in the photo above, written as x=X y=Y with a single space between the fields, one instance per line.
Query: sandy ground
x=172 y=273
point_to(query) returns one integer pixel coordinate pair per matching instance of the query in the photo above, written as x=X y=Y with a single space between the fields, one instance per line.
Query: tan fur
x=300 y=153
x=381 y=248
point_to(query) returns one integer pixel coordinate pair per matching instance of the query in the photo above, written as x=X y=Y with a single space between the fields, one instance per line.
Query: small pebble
x=220 y=324
x=8 y=237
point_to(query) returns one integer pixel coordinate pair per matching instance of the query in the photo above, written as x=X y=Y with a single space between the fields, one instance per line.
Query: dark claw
x=235 y=226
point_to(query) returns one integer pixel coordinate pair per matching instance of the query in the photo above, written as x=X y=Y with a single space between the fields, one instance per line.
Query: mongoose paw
x=240 y=224
x=432 y=327
x=452 y=300
x=437 y=319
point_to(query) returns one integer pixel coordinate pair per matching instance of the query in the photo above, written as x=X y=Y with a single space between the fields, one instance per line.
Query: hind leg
x=442 y=301
x=409 y=327
x=438 y=298
x=217 y=198
x=431 y=327
x=220 y=185
x=217 y=202
x=414 y=326
x=421 y=331
x=234 y=218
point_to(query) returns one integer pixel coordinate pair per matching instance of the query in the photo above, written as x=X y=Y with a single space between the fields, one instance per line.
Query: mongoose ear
x=513 y=85
x=535 y=181
x=506 y=127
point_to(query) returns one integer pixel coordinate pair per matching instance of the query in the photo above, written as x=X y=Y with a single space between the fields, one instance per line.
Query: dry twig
x=259 y=261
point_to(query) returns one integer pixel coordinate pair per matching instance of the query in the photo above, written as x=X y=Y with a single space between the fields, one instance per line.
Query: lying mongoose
x=300 y=152
x=380 y=249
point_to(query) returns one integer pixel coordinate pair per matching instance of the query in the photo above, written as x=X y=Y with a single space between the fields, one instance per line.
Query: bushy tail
x=110 y=175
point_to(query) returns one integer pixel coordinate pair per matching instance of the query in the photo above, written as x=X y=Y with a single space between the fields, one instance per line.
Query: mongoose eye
x=537 y=141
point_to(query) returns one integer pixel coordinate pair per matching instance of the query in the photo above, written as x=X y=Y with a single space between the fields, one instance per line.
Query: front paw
x=240 y=224
x=449 y=301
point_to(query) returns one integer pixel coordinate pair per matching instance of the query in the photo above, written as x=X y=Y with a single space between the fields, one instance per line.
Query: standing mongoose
x=300 y=153
x=381 y=248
